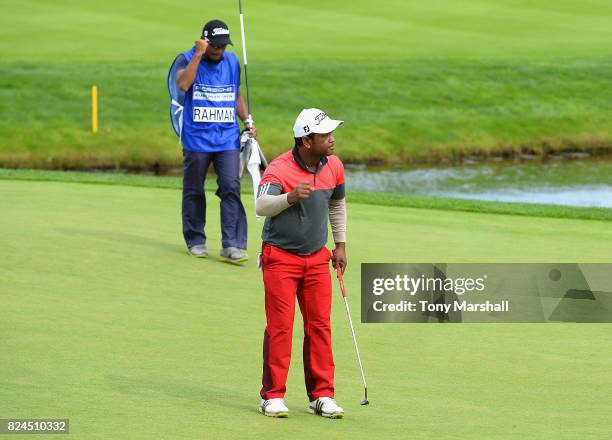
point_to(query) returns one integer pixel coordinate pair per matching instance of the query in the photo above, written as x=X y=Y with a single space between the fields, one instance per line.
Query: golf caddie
x=210 y=78
x=299 y=191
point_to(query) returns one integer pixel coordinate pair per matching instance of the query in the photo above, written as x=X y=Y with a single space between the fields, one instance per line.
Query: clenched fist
x=200 y=46
x=300 y=192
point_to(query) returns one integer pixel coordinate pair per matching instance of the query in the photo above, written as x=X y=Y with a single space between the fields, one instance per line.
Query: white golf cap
x=313 y=120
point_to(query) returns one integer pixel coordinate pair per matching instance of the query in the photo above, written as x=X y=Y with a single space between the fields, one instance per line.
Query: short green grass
x=414 y=81
x=105 y=320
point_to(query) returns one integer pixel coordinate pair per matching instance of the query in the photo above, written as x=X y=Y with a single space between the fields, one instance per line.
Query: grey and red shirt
x=302 y=227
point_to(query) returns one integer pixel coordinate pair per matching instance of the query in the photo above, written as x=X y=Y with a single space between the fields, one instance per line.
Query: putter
x=365 y=401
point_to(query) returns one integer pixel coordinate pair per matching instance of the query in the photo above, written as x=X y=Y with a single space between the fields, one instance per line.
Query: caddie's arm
x=186 y=76
x=337 y=219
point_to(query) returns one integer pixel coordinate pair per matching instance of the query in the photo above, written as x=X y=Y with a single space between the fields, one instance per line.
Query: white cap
x=313 y=120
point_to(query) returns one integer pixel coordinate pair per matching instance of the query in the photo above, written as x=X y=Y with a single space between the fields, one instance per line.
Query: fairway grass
x=450 y=80
x=106 y=321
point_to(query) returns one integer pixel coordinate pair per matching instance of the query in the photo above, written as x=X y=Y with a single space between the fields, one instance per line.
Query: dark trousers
x=233 y=217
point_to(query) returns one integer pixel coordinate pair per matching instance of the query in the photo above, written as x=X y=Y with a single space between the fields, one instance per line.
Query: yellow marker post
x=94 y=109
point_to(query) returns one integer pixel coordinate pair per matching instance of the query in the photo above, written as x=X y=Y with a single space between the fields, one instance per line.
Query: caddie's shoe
x=326 y=407
x=198 y=250
x=234 y=255
x=274 y=408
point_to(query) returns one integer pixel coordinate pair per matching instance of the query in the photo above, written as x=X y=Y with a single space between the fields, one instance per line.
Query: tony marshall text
x=455 y=306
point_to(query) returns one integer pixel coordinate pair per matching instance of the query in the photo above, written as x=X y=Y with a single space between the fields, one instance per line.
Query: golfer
x=299 y=191
x=210 y=133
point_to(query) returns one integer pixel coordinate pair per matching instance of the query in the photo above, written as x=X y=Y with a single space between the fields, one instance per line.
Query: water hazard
x=562 y=182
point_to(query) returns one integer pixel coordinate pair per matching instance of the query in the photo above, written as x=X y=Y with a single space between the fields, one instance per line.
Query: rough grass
x=452 y=79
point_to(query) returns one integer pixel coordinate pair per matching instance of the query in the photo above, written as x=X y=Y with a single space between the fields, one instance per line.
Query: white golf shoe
x=274 y=408
x=326 y=407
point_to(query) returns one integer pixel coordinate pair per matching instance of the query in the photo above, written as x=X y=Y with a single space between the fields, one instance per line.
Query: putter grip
x=341 y=281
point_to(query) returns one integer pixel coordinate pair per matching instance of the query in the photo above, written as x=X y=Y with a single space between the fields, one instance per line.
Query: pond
x=561 y=182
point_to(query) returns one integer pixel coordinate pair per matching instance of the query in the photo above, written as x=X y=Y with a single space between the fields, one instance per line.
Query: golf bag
x=177 y=99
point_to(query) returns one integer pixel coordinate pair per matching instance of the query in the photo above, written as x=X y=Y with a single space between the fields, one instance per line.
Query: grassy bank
x=399 y=112
x=450 y=80
x=106 y=321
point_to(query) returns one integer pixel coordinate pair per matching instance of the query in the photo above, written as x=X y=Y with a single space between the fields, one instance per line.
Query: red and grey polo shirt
x=301 y=228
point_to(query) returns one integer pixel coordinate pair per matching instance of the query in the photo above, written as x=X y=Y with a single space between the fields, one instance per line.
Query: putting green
x=106 y=321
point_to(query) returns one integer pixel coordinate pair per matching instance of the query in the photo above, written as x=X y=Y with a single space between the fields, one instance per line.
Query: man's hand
x=252 y=129
x=339 y=257
x=200 y=46
x=300 y=192
x=248 y=122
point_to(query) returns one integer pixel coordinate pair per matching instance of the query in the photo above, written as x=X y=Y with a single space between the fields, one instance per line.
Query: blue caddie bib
x=209 y=113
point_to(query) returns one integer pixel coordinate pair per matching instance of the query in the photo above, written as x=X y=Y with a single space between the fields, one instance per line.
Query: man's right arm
x=271 y=202
x=269 y=205
x=186 y=76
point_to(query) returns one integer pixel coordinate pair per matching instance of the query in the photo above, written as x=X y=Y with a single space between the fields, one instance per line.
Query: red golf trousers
x=287 y=276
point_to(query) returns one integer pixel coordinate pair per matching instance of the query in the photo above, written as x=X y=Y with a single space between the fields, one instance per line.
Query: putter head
x=365 y=402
